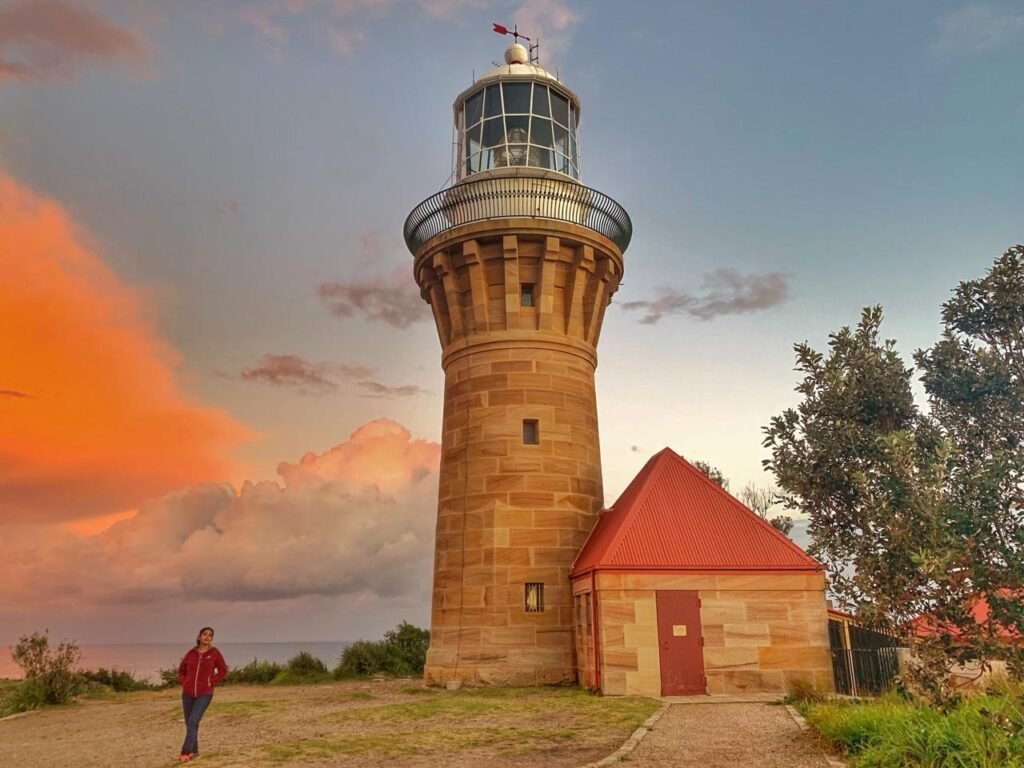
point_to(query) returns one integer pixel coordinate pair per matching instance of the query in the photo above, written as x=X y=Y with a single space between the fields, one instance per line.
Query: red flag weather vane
x=503 y=30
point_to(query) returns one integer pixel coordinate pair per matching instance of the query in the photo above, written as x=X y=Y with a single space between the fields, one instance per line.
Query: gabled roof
x=672 y=517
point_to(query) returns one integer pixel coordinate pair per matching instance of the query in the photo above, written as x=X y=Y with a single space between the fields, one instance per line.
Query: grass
x=246 y=708
x=507 y=721
x=984 y=731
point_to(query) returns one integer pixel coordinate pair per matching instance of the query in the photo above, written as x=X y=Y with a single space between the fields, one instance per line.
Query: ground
x=348 y=724
x=725 y=735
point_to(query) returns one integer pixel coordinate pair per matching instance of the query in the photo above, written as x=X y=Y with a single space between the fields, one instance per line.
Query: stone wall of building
x=761 y=631
x=512 y=513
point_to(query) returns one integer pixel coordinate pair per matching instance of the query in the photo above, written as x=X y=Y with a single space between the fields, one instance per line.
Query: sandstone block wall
x=511 y=513
x=760 y=631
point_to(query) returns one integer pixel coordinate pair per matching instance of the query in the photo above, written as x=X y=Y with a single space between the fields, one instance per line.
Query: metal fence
x=868 y=666
x=518 y=196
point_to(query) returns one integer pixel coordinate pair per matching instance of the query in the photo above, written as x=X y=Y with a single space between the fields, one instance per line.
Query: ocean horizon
x=145 y=660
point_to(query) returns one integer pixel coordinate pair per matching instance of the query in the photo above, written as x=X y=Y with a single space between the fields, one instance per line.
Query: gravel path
x=727 y=736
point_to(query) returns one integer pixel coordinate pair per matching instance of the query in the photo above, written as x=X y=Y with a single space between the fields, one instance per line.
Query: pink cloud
x=357 y=519
x=53 y=40
x=393 y=300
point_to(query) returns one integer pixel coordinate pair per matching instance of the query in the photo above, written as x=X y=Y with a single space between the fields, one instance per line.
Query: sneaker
x=184 y=759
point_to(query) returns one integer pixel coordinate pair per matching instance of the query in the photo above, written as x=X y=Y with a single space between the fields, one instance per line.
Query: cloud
x=107 y=424
x=357 y=519
x=291 y=371
x=12 y=393
x=376 y=389
x=726 y=292
x=977 y=29
x=319 y=378
x=448 y=9
x=549 y=21
x=54 y=40
x=342 y=23
x=229 y=208
x=394 y=300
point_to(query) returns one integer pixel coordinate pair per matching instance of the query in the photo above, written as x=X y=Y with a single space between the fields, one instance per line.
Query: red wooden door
x=680 y=643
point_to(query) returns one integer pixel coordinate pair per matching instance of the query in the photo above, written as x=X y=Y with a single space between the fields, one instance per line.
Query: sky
x=220 y=392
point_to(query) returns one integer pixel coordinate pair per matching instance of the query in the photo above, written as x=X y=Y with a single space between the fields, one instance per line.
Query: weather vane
x=533 y=47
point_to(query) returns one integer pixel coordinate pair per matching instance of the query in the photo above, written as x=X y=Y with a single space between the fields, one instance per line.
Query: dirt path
x=727 y=736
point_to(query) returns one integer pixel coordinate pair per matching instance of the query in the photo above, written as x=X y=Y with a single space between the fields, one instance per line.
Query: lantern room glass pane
x=540 y=132
x=517 y=98
x=474 y=108
x=473 y=140
x=561 y=139
x=560 y=108
x=540 y=100
x=494 y=132
x=492 y=104
x=517 y=129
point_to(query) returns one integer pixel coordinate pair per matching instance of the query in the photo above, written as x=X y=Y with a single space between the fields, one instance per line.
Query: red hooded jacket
x=199 y=672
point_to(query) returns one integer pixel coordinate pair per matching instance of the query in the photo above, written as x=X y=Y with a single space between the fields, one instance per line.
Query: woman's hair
x=201 y=632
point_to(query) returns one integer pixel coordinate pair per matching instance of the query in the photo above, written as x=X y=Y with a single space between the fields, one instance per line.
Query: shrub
x=302 y=668
x=47 y=670
x=407 y=649
x=305 y=664
x=118 y=680
x=361 y=659
x=169 y=676
x=401 y=653
x=255 y=672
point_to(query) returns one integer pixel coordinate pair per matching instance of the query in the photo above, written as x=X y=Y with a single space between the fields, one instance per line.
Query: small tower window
x=531 y=432
x=534 y=597
x=526 y=294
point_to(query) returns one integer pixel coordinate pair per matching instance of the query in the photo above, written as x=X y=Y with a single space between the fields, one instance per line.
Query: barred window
x=534 y=597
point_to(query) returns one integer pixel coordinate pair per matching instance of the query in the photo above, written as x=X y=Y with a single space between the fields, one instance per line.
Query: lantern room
x=517 y=116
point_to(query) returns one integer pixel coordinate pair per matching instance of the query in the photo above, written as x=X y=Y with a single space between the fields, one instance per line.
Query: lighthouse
x=518 y=261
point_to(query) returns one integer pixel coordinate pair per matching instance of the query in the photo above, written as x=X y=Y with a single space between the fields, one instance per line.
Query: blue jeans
x=194 y=707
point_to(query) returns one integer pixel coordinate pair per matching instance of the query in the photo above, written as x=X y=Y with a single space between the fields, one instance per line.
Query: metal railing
x=517 y=196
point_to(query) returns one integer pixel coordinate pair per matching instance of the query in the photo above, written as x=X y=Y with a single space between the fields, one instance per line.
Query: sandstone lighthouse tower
x=518 y=262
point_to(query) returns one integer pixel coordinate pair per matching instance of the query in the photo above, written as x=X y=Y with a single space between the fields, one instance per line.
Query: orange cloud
x=98 y=422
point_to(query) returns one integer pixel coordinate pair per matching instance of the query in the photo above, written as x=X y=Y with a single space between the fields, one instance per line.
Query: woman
x=201 y=669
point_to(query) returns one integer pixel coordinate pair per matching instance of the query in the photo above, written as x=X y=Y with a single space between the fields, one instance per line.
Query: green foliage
x=364 y=658
x=401 y=653
x=918 y=514
x=302 y=669
x=981 y=732
x=169 y=676
x=255 y=672
x=305 y=664
x=117 y=680
x=713 y=473
x=49 y=673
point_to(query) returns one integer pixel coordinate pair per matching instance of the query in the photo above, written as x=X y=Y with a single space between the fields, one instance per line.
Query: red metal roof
x=672 y=517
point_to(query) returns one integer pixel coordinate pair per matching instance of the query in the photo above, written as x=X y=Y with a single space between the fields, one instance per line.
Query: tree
x=762 y=501
x=712 y=473
x=974 y=379
x=917 y=514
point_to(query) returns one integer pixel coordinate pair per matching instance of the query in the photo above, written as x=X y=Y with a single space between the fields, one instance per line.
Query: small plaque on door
x=679 y=630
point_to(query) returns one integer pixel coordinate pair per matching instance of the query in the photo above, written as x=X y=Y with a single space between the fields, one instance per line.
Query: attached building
x=681 y=590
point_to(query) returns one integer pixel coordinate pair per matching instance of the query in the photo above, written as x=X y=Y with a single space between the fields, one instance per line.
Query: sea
x=146 y=660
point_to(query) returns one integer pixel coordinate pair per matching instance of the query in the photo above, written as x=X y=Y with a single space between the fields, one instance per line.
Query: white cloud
x=549 y=20
x=976 y=29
